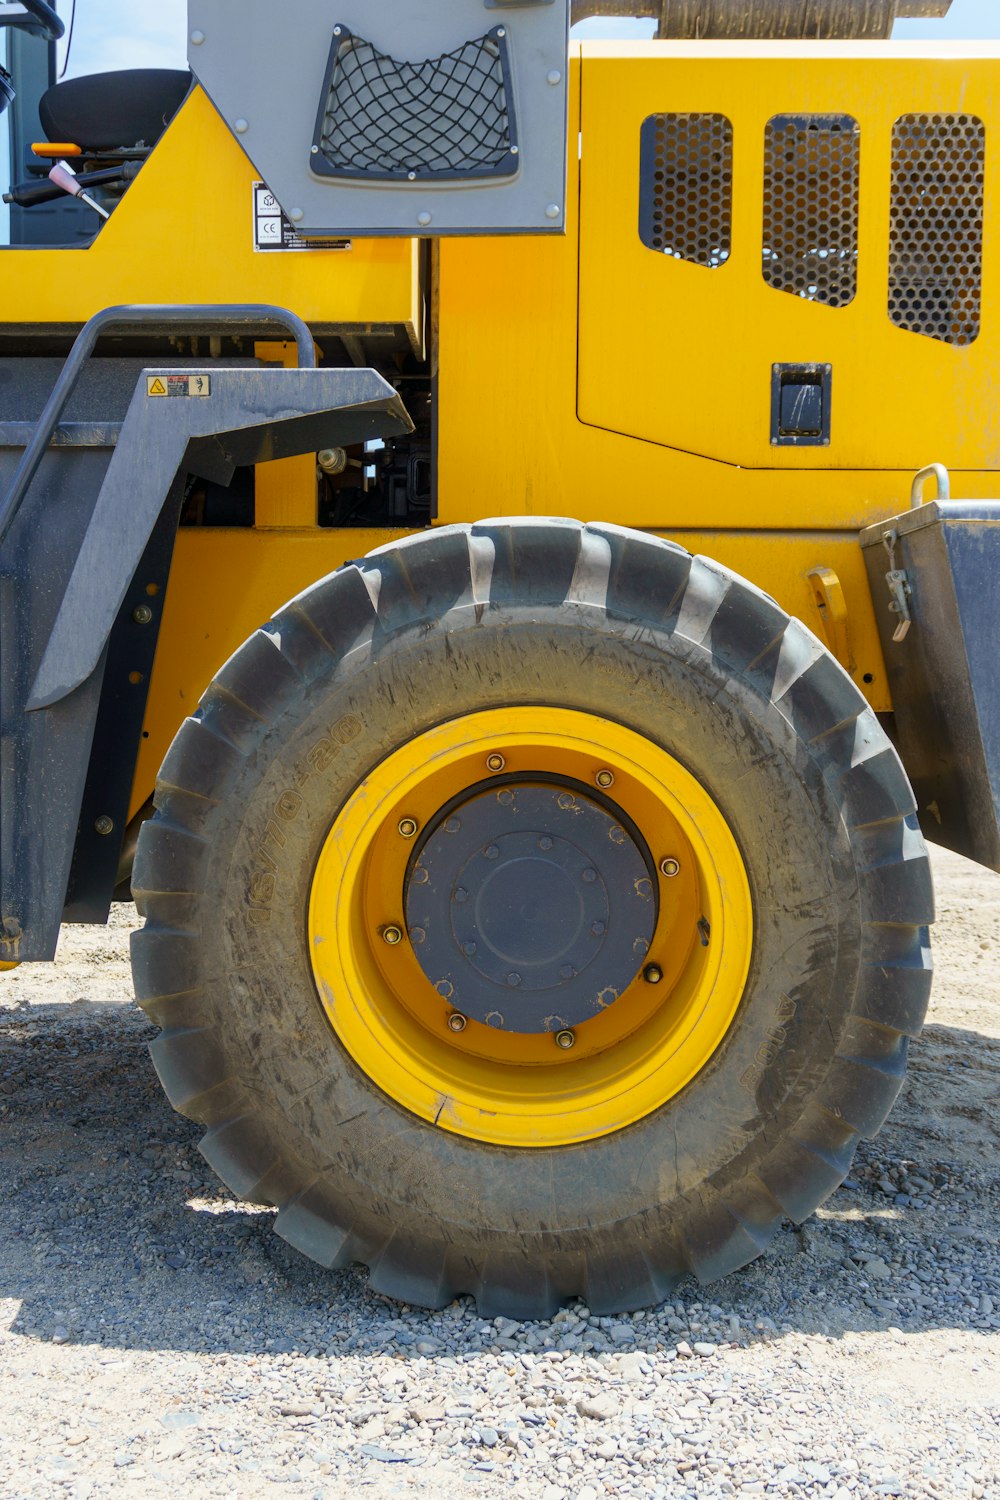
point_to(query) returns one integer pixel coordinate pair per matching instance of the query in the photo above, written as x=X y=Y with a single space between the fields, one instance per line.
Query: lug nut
x=392 y=936
x=670 y=867
x=652 y=973
x=407 y=827
x=565 y=1040
x=605 y=778
x=495 y=762
x=456 y=1021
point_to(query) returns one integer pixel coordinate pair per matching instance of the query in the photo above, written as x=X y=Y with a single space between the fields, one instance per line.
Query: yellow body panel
x=573 y=371
x=184 y=233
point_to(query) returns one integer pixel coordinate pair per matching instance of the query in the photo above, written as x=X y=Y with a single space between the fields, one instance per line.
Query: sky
x=112 y=34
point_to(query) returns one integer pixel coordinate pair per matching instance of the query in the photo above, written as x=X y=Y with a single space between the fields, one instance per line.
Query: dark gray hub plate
x=530 y=906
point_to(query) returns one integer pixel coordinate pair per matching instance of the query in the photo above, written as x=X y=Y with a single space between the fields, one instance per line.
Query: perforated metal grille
x=450 y=116
x=810 y=241
x=686 y=187
x=936 y=228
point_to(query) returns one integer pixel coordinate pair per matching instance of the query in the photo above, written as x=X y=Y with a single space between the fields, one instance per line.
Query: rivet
x=407 y=827
x=445 y=987
x=336 y=31
x=241 y=126
x=420 y=876
x=197 y=37
x=545 y=842
x=514 y=150
x=495 y=1019
x=506 y=797
x=423 y=218
x=501 y=31
x=452 y=825
x=416 y=935
x=313 y=150
x=468 y=949
x=392 y=935
x=296 y=214
x=652 y=973
x=104 y=825
x=598 y=929
x=513 y=980
x=456 y=1021
x=605 y=778
x=670 y=867
x=460 y=894
x=589 y=876
x=565 y=1040
x=142 y=614
x=411 y=176
x=567 y=972
x=554 y=77
x=495 y=762
x=491 y=851
x=552 y=210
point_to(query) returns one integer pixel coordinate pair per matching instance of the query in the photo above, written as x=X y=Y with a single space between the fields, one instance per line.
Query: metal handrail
x=215 y=314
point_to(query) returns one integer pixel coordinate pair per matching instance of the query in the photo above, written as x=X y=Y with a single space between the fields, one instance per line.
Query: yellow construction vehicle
x=534 y=907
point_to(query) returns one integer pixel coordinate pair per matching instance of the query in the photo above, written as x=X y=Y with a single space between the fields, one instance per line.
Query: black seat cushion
x=104 y=111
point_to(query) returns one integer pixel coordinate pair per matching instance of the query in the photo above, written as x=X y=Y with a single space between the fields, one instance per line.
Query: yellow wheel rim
x=520 y=1089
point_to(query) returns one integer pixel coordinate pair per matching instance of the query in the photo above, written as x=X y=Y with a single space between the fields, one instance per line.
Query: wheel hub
x=531 y=906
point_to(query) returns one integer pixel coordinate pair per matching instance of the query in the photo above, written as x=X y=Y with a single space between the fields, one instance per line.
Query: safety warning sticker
x=178 y=385
x=272 y=231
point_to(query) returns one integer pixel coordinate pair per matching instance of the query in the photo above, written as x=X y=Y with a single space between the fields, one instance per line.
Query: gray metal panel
x=265 y=68
x=945 y=671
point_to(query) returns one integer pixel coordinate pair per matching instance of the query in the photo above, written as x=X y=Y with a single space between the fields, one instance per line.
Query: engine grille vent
x=936 y=229
x=448 y=117
x=686 y=187
x=811 y=185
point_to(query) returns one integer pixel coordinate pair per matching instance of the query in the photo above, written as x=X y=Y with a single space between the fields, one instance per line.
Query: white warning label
x=178 y=385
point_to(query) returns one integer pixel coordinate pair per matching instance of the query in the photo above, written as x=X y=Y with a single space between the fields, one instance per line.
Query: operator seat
x=108 y=111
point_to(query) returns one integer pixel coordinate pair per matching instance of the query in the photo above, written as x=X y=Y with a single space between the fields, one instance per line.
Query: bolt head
x=495 y=762
x=513 y=980
x=589 y=876
x=296 y=214
x=670 y=867
x=545 y=842
x=605 y=778
x=313 y=150
x=142 y=614
x=197 y=37
x=652 y=973
x=241 y=126
x=407 y=827
x=456 y=1021
x=392 y=935
x=417 y=935
x=567 y=971
x=423 y=218
x=554 y=77
x=552 y=211
x=104 y=825
x=491 y=851
x=565 y=1040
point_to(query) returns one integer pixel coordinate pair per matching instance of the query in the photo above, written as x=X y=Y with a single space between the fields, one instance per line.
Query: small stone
x=427 y=1346
x=684 y=1349
x=608 y=1449
x=599 y=1408
x=489 y=1437
x=704 y=1349
x=877 y=1268
x=296 y=1409
x=122 y=1460
x=60 y=1335
x=383 y=1455
x=76 y=1438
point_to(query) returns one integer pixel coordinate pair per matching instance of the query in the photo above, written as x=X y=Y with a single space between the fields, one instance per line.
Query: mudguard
x=103 y=500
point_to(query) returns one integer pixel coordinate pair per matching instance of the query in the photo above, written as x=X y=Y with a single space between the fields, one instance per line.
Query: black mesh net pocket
x=449 y=116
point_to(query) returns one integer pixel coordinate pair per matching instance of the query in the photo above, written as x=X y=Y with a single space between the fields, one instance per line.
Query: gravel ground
x=157 y=1339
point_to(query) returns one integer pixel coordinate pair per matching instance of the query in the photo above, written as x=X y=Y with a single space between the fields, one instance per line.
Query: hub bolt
x=565 y=1040
x=456 y=1021
x=652 y=973
x=392 y=936
x=407 y=827
x=605 y=778
x=670 y=867
x=495 y=762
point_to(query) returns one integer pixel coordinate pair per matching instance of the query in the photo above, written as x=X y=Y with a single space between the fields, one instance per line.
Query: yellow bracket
x=828 y=596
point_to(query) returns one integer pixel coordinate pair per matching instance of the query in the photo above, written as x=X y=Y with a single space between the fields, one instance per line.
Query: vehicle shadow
x=118 y=1235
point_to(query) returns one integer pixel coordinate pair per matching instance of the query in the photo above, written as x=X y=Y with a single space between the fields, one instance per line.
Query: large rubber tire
x=607 y=621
